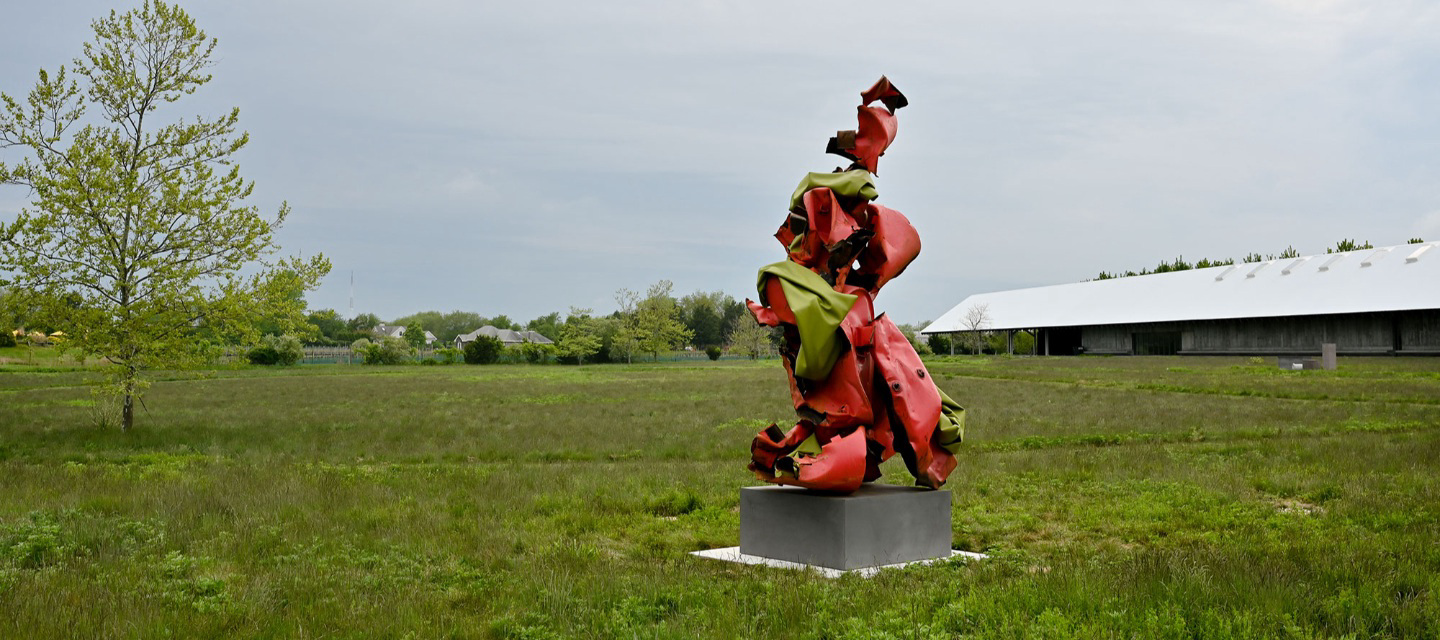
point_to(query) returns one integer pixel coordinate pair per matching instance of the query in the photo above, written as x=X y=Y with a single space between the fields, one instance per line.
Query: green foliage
x=1415 y=241
x=503 y=321
x=1349 y=245
x=939 y=343
x=415 y=335
x=547 y=325
x=707 y=316
x=7 y=339
x=535 y=353
x=579 y=336
x=713 y=352
x=34 y=542
x=750 y=338
x=273 y=349
x=364 y=323
x=386 y=350
x=137 y=234
x=483 y=350
x=331 y=328
x=448 y=355
x=652 y=323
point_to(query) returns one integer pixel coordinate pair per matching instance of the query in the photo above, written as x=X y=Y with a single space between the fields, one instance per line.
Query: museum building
x=1378 y=301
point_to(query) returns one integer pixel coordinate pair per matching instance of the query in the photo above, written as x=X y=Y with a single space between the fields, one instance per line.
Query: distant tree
x=1288 y=253
x=609 y=329
x=1252 y=258
x=137 y=231
x=1415 y=241
x=329 y=324
x=976 y=321
x=547 y=325
x=626 y=339
x=415 y=335
x=750 y=338
x=730 y=310
x=430 y=320
x=1178 y=265
x=703 y=313
x=364 y=323
x=1349 y=245
x=657 y=321
x=579 y=336
x=940 y=343
x=483 y=350
x=503 y=321
x=276 y=350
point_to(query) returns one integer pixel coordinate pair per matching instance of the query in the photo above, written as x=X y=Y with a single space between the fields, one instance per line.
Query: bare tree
x=976 y=320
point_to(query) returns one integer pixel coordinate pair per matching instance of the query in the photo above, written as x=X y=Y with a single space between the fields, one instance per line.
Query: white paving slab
x=732 y=554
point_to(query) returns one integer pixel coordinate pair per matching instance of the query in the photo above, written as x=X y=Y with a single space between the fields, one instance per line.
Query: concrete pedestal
x=875 y=526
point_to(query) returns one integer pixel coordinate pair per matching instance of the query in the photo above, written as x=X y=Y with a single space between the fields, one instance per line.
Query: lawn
x=1160 y=497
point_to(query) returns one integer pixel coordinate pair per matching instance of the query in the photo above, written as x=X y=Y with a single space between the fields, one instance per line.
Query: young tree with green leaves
x=137 y=234
x=579 y=336
x=750 y=338
x=656 y=321
x=415 y=335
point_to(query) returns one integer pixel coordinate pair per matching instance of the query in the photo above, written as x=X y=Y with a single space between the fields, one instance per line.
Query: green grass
x=1118 y=497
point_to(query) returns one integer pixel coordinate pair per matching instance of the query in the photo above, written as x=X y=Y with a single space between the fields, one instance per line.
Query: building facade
x=1383 y=301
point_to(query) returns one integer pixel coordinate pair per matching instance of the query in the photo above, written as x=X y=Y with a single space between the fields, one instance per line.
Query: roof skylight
x=1379 y=253
x=1418 y=252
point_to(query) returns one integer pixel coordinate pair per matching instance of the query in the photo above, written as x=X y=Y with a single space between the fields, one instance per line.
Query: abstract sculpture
x=860 y=391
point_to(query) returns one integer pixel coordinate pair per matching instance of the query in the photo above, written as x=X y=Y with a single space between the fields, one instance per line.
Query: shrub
x=447 y=355
x=483 y=350
x=939 y=343
x=282 y=350
x=536 y=353
x=383 y=350
x=713 y=351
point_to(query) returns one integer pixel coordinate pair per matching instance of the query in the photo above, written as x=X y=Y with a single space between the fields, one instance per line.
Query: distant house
x=394 y=331
x=507 y=337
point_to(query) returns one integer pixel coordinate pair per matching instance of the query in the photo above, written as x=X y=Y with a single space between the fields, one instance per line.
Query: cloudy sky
x=524 y=157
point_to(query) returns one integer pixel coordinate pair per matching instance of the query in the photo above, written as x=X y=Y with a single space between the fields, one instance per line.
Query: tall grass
x=1117 y=497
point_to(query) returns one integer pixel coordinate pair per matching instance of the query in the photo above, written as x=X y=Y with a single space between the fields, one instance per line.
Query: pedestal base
x=876 y=526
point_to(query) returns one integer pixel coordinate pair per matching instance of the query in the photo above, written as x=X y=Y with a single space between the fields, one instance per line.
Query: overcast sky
x=524 y=157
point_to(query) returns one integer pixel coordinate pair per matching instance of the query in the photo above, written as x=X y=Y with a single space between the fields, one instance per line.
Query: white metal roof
x=1395 y=278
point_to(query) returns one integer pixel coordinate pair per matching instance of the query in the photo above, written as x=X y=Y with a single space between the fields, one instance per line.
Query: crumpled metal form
x=861 y=393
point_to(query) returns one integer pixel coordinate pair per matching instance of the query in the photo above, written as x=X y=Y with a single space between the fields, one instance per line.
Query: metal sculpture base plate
x=732 y=554
x=877 y=526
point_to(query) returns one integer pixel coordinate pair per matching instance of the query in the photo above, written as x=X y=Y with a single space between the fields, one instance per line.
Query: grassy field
x=1118 y=497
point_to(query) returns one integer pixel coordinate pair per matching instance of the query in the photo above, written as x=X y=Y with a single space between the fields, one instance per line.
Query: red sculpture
x=860 y=391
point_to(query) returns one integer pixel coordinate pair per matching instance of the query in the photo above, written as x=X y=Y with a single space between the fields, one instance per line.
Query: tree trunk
x=127 y=410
